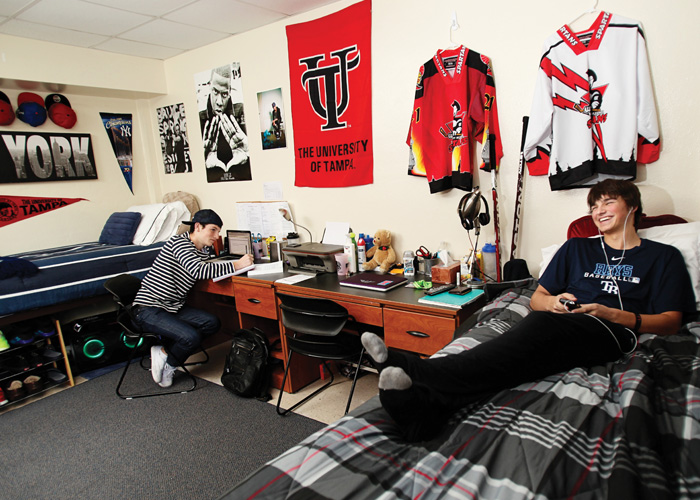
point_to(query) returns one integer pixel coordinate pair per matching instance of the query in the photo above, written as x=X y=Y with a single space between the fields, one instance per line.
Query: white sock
x=375 y=346
x=394 y=378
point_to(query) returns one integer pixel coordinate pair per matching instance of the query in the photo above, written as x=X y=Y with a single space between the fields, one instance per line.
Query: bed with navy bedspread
x=72 y=272
x=626 y=430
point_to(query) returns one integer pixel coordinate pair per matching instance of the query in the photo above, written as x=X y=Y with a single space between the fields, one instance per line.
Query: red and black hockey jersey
x=593 y=115
x=454 y=106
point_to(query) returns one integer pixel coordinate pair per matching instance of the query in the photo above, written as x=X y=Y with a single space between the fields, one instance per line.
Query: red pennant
x=16 y=208
x=330 y=74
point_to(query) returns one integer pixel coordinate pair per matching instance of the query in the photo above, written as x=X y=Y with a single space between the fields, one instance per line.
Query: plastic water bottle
x=489 y=255
x=408 y=269
x=369 y=242
x=361 y=253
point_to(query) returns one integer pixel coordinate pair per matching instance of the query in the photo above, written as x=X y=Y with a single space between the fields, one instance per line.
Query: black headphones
x=466 y=209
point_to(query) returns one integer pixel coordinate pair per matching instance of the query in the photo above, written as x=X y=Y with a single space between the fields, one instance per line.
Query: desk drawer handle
x=417 y=334
x=254 y=301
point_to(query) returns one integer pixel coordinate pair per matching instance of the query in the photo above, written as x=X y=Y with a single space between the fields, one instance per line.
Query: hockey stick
x=496 y=226
x=519 y=191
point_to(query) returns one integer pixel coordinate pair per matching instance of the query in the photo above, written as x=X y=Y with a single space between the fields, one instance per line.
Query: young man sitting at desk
x=592 y=301
x=159 y=306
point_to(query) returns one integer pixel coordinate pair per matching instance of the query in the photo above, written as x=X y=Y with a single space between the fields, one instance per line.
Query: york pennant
x=330 y=74
x=16 y=208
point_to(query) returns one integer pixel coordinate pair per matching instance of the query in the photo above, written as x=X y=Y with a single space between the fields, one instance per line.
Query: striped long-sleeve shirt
x=175 y=271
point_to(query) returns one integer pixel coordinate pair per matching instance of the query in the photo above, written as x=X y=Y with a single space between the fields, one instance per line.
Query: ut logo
x=329 y=77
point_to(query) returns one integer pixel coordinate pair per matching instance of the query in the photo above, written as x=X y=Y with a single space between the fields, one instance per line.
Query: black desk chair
x=124 y=288
x=314 y=328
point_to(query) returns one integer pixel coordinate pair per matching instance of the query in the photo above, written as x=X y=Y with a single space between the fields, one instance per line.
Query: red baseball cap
x=7 y=114
x=60 y=111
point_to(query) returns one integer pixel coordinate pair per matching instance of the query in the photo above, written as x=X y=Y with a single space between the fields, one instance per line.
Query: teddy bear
x=381 y=255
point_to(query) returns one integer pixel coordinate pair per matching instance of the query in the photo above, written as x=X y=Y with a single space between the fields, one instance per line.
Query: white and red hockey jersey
x=593 y=115
x=454 y=106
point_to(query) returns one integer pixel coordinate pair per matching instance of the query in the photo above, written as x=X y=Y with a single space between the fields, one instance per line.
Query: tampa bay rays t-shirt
x=651 y=278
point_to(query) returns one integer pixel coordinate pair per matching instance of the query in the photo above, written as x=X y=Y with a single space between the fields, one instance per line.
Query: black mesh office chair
x=124 y=288
x=313 y=328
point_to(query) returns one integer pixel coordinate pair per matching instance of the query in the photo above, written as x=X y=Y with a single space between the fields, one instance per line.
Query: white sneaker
x=168 y=372
x=158 y=359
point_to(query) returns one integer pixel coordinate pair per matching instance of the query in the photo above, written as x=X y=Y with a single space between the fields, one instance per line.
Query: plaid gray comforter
x=628 y=430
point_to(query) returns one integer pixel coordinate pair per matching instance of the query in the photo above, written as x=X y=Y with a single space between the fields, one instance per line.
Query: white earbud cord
x=615 y=338
x=624 y=249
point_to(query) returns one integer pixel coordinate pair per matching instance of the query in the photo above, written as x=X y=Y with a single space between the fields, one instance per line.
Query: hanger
x=585 y=12
x=454 y=26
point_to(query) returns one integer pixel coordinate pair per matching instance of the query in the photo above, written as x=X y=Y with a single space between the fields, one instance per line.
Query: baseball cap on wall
x=30 y=109
x=204 y=217
x=60 y=110
x=7 y=114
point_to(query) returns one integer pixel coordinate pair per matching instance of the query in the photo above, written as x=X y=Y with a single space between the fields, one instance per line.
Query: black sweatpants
x=542 y=344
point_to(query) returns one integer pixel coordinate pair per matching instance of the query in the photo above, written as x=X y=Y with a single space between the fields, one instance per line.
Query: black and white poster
x=223 y=125
x=272 y=123
x=32 y=157
x=174 y=144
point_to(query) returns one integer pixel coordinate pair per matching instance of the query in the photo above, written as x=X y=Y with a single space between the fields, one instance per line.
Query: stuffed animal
x=381 y=255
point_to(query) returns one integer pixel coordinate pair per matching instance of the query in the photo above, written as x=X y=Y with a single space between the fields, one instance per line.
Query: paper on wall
x=263 y=217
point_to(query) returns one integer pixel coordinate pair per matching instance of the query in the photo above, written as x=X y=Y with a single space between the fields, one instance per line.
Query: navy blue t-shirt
x=652 y=278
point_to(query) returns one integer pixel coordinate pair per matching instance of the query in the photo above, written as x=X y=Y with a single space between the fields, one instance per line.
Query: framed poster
x=33 y=157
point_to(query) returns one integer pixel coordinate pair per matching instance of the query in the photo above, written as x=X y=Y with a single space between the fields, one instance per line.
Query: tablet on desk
x=374 y=281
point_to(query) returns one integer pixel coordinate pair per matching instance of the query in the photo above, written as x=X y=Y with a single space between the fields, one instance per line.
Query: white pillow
x=685 y=237
x=159 y=221
x=547 y=256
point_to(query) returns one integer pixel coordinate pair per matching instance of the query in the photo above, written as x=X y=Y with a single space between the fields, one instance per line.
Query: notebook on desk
x=374 y=281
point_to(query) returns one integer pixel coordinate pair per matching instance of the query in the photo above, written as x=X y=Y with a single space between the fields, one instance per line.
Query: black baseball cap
x=204 y=217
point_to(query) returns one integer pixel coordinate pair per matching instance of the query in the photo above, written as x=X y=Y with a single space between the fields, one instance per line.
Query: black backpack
x=247 y=369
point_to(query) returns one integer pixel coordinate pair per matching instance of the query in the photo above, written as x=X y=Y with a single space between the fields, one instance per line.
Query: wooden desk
x=406 y=323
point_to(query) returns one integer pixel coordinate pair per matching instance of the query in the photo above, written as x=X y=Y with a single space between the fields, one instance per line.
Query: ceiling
x=157 y=29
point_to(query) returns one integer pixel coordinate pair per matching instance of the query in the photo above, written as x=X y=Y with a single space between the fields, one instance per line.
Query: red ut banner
x=17 y=208
x=330 y=74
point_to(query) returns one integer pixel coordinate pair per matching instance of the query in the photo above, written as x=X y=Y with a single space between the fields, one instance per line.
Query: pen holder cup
x=428 y=266
x=257 y=250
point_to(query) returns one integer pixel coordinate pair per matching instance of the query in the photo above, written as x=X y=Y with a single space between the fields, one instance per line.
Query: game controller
x=570 y=304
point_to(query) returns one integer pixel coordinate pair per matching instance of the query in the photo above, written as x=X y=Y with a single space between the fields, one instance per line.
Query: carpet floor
x=86 y=443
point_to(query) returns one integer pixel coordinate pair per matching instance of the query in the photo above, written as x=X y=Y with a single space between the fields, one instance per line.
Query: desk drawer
x=223 y=287
x=255 y=300
x=416 y=332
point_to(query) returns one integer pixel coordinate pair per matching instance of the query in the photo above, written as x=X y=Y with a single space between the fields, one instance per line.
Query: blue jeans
x=186 y=328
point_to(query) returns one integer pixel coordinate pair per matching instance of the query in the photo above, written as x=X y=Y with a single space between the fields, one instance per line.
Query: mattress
x=72 y=272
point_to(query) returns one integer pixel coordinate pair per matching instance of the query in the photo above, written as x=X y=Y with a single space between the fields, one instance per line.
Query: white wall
x=405 y=35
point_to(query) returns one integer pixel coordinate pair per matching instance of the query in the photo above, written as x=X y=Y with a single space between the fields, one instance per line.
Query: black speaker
x=98 y=341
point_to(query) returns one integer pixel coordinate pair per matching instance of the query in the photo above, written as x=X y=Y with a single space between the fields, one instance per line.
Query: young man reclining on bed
x=618 y=286
x=160 y=303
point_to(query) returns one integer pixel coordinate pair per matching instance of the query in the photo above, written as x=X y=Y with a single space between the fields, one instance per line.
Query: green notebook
x=448 y=299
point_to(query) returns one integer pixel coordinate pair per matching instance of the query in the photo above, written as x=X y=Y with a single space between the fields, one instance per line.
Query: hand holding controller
x=569 y=304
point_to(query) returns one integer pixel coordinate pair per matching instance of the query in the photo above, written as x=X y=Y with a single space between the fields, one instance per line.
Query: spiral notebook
x=374 y=281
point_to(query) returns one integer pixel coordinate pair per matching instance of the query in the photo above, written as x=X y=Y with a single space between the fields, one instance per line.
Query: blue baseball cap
x=31 y=109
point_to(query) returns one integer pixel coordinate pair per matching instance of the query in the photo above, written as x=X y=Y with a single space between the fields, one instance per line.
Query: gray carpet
x=86 y=443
